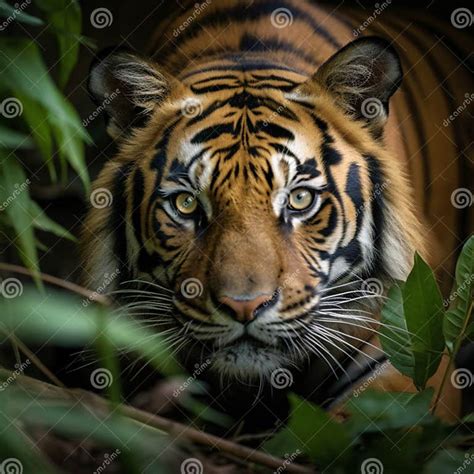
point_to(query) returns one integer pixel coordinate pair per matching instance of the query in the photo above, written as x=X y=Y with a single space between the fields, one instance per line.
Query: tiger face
x=252 y=205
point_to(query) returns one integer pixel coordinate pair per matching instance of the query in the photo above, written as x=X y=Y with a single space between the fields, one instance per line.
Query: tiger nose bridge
x=246 y=264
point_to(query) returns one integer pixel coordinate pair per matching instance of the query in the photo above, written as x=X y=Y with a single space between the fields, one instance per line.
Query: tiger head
x=256 y=208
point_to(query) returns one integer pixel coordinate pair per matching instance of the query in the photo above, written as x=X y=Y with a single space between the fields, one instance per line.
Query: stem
x=452 y=354
x=79 y=290
x=34 y=359
x=90 y=401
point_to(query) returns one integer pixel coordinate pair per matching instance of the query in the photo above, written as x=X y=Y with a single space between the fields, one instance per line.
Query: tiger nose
x=245 y=310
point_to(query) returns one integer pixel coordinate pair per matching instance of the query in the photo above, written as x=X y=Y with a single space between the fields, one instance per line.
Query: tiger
x=276 y=173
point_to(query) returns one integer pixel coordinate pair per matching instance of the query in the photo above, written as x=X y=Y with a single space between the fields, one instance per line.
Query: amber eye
x=186 y=203
x=300 y=199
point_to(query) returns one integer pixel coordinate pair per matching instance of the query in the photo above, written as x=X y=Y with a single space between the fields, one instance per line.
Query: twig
x=172 y=428
x=80 y=290
x=451 y=356
x=36 y=361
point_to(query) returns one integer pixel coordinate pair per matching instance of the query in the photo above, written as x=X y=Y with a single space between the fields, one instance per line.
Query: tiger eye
x=300 y=199
x=186 y=203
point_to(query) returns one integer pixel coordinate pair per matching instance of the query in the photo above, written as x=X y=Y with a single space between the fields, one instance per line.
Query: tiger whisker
x=332 y=330
x=315 y=344
x=144 y=282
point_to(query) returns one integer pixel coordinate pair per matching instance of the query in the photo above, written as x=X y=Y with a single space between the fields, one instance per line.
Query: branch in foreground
x=95 y=402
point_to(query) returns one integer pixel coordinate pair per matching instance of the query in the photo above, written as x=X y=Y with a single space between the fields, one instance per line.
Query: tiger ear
x=362 y=77
x=127 y=87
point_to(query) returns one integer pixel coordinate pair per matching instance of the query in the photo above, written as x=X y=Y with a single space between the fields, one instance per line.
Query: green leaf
x=15 y=443
x=14 y=140
x=312 y=431
x=394 y=335
x=25 y=74
x=450 y=460
x=72 y=420
x=34 y=115
x=456 y=323
x=69 y=321
x=375 y=411
x=65 y=18
x=15 y=201
x=41 y=221
x=17 y=14
x=423 y=308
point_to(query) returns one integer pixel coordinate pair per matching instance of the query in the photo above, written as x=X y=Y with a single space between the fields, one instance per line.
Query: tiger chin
x=257 y=215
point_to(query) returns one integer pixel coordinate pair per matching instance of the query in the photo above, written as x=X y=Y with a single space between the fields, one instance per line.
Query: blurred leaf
x=34 y=114
x=13 y=139
x=24 y=73
x=14 y=443
x=375 y=411
x=450 y=461
x=204 y=414
x=65 y=17
x=76 y=422
x=456 y=323
x=423 y=308
x=17 y=14
x=15 y=199
x=41 y=221
x=69 y=321
x=312 y=431
x=394 y=335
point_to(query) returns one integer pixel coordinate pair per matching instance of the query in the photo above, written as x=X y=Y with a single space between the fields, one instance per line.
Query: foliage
x=380 y=433
x=36 y=116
